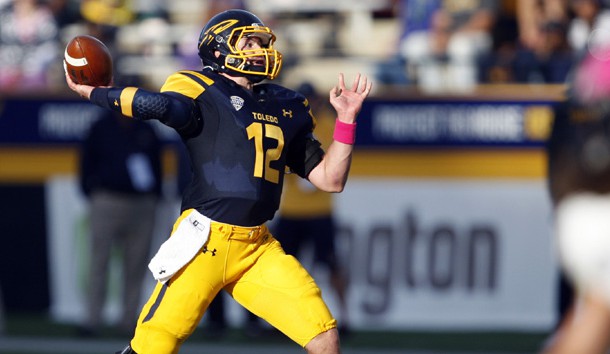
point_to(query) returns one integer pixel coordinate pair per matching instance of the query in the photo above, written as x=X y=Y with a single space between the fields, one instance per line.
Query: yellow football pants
x=252 y=267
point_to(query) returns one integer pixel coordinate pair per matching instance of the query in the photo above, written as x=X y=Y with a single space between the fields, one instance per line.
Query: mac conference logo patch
x=237 y=102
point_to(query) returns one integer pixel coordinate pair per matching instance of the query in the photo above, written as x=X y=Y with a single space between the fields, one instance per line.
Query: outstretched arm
x=331 y=173
x=141 y=104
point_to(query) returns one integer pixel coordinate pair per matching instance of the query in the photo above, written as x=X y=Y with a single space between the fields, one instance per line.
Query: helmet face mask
x=219 y=41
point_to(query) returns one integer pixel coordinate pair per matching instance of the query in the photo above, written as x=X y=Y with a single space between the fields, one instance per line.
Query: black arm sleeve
x=180 y=114
x=306 y=157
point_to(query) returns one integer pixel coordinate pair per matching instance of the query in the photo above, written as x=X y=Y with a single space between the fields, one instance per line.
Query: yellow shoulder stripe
x=200 y=76
x=187 y=83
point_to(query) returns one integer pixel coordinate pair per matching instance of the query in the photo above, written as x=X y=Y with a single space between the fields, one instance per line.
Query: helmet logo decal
x=222 y=26
x=237 y=102
x=211 y=33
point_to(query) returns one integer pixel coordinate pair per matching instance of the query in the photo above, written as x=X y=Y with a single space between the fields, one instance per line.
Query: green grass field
x=37 y=326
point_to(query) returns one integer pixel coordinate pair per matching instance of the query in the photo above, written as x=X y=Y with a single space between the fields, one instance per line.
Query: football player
x=579 y=176
x=241 y=135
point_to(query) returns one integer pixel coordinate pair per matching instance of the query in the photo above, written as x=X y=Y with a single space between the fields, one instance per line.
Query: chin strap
x=126 y=350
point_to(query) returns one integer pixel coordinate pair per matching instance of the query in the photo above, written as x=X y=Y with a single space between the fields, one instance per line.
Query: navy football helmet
x=224 y=31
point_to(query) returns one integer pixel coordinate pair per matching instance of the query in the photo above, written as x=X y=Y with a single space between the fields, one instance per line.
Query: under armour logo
x=206 y=250
x=116 y=103
x=287 y=113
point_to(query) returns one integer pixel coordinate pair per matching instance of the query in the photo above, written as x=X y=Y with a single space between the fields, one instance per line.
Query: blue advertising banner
x=454 y=123
x=382 y=123
x=28 y=121
x=52 y=121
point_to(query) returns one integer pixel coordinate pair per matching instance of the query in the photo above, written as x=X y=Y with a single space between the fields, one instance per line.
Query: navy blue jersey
x=239 y=142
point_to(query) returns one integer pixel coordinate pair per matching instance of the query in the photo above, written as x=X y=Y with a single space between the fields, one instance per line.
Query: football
x=88 y=61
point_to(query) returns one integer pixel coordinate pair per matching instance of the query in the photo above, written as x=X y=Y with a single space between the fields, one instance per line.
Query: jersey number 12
x=262 y=168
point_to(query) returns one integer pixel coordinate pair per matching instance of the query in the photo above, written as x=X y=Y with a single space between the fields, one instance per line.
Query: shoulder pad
x=187 y=83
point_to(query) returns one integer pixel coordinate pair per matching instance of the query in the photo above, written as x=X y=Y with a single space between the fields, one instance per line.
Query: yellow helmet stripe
x=212 y=31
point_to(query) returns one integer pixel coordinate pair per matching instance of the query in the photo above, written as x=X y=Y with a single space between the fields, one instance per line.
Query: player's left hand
x=348 y=101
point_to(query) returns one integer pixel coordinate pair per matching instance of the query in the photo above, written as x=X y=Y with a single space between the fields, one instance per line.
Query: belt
x=239 y=233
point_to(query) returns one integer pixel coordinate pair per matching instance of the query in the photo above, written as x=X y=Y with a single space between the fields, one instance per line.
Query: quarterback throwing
x=241 y=136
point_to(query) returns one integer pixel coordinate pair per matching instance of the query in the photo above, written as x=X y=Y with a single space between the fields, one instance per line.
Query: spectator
x=66 y=12
x=445 y=55
x=496 y=66
x=540 y=53
x=121 y=176
x=589 y=16
x=415 y=17
x=550 y=62
x=28 y=45
x=532 y=15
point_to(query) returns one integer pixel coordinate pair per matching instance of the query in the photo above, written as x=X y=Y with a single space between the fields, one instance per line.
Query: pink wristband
x=344 y=132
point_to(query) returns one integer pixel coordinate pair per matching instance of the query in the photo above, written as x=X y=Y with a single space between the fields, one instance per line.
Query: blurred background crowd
x=432 y=45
